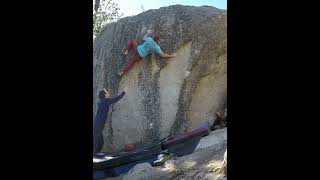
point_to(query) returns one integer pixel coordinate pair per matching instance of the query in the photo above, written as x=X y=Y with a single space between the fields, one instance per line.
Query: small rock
x=210 y=176
x=221 y=178
x=214 y=138
x=187 y=73
x=200 y=176
x=139 y=172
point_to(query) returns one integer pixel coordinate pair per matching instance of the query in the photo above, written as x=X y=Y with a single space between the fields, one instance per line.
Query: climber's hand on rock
x=163 y=55
x=171 y=56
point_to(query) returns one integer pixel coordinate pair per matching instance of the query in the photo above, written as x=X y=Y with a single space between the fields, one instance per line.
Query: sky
x=134 y=7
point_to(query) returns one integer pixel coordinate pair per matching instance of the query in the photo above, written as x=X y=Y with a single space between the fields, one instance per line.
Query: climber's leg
x=97 y=143
x=133 y=43
x=134 y=60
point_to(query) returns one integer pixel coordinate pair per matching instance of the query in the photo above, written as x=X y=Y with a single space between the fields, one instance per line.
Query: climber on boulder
x=149 y=46
x=101 y=117
x=149 y=34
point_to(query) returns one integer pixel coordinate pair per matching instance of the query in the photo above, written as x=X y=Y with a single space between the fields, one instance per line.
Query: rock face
x=163 y=96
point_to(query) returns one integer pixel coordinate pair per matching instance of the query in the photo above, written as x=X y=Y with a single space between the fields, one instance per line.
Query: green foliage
x=107 y=12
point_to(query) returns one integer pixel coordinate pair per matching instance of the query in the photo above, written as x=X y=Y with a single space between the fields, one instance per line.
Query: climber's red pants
x=133 y=44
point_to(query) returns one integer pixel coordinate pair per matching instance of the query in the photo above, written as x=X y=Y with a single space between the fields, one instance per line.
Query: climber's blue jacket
x=102 y=112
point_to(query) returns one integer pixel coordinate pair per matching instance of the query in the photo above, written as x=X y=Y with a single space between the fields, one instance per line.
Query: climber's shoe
x=125 y=51
x=162 y=158
x=120 y=74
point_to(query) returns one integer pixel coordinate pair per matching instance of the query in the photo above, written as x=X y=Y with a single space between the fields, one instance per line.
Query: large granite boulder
x=163 y=96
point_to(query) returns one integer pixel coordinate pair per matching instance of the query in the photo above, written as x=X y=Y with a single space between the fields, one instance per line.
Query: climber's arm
x=164 y=55
x=115 y=99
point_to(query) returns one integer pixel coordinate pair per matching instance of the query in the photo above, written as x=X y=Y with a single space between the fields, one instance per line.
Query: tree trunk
x=96 y=5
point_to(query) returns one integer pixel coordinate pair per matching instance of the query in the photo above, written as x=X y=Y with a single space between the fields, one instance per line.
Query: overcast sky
x=134 y=7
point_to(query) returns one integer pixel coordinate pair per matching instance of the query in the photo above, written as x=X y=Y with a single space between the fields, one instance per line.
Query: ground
x=209 y=156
